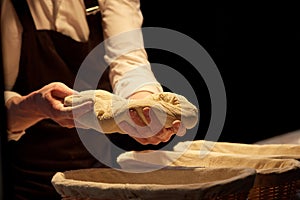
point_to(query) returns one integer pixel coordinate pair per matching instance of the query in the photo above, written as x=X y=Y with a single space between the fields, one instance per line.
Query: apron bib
x=46 y=148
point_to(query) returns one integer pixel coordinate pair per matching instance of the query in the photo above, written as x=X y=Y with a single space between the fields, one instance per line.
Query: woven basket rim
x=243 y=180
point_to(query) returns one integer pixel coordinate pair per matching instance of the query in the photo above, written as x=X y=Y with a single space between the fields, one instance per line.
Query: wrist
x=21 y=114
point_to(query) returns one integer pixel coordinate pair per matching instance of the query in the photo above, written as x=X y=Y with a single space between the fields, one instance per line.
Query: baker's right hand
x=45 y=103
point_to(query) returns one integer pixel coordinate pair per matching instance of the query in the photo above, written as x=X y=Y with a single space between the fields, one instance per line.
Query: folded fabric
x=141 y=160
x=175 y=184
x=110 y=109
x=263 y=150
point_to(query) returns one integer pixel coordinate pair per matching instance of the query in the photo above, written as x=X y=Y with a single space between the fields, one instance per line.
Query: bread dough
x=110 y=109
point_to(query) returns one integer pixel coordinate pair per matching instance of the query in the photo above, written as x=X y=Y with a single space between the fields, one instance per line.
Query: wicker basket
x=175 y=184
x=265 y=150
x=275 y=179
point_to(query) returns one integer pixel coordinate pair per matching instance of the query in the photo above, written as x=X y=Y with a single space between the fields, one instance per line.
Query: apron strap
x=90 y=3
x=24 y=14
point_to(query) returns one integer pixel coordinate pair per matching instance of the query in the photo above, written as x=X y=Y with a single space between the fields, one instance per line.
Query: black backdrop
x=256 y=49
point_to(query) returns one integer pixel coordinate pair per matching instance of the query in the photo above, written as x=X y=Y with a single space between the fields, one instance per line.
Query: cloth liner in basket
x=285 y=150
x=265 y=150
x=175 y=184
x=275 y=179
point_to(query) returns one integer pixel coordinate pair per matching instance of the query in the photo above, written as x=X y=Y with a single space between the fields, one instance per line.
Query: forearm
x=125 y=53
x=120 y=16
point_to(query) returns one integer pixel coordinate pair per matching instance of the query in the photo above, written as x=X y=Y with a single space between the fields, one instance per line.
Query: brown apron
x=46 y=148
x=48 y=56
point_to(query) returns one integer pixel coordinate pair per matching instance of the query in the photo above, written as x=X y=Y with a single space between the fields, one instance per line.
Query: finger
x=146 y=112
x=165 y=135
x=67 y=123
x=128 y=129
x=136 y=118
x=154 y=123
x=142 y=141
x=55 y=103
x=82 y=109
x=143 y=130
x=76 y=111
x=137 y=131
x=79 y=125
x=70 y=123
x=166 y=138
x=59 y=94
x=60 y=90
x=151 y=140
x=179 y=128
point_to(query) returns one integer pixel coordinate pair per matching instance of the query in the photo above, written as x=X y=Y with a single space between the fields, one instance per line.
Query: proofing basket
x=265 y=150
x=279 y=151
x=275 y=178
x=162 y=184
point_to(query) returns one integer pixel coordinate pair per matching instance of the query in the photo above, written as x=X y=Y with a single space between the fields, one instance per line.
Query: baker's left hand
x=153 y=133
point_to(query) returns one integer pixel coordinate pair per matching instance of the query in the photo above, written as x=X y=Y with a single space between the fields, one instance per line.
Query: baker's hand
x=25 y=111
x=154 y=132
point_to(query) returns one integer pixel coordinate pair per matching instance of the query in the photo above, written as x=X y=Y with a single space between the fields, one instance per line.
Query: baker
x=43 y=45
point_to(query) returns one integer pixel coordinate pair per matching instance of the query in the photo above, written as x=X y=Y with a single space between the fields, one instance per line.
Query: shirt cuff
x=139 y=79
x=12 y=135
x=10 y=94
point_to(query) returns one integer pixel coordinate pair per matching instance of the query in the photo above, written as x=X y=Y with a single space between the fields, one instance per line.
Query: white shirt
x=124 y=52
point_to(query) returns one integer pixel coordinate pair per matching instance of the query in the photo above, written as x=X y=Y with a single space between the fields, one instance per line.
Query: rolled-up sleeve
x=12 y=135
x=130 y=70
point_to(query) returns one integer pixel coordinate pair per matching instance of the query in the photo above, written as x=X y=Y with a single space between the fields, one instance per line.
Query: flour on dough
x=110 y=109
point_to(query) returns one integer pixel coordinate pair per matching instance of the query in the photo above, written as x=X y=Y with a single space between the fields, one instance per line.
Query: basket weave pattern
x=286 y=184
x=285 y=191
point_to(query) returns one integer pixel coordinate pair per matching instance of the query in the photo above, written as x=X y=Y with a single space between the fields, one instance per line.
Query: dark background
x=256 y=49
